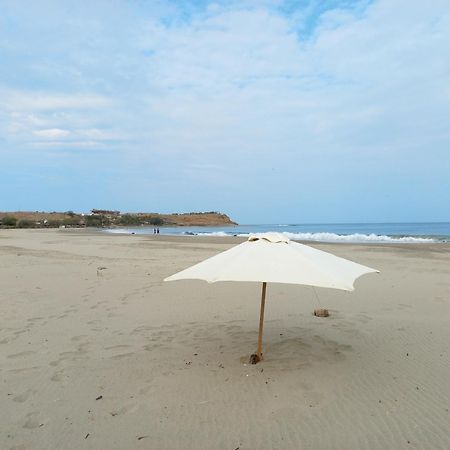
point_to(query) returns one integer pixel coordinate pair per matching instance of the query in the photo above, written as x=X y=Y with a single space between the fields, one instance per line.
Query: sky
x=271 y=111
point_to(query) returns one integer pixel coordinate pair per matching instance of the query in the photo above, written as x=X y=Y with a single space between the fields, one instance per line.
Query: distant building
x=105 y=212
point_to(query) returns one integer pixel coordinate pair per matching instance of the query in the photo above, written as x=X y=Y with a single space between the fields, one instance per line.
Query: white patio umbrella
x=273 y=258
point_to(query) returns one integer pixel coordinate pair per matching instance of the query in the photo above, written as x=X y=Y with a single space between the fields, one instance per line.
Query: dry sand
x=98 y=353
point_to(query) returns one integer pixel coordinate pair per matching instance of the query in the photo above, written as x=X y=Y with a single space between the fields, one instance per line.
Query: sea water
x=337 y=232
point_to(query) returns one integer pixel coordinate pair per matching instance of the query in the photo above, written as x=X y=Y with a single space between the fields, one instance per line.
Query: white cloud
x=30 y=101
x=26 y=115
x=75 y=144
x=242 y=75
x=52 y=133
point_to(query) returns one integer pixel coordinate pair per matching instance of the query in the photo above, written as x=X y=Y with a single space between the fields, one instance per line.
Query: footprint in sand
x=118 y=333
x=35 y=319
x=57 y=376
x=20 y=355
x=77 y=338
x=126 y=409
x=20 y=332
x=123 y=355
x=404 y=306
x=23 y=369
x=114 y=347
x=24 y=396
x=363 y=318
x=151 y=347
x=18 y=447
x=32 y=421
x=145 y=390
x=72 y=356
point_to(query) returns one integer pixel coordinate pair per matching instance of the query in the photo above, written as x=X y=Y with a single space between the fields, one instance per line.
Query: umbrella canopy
x=272 y=257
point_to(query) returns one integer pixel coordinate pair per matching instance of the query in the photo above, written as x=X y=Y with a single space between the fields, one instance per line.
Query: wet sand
x=98 y=353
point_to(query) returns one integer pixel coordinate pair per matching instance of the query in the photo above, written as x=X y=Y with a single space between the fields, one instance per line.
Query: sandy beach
x=97 y=352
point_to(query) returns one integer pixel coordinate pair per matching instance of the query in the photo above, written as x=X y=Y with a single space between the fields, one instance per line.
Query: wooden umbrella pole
x=261 y=321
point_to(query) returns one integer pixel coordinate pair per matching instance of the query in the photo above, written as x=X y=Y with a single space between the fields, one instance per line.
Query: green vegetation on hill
x=25 y=223
x=9 y=221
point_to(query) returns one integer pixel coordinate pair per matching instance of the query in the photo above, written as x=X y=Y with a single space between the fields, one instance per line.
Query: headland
x=109 y=218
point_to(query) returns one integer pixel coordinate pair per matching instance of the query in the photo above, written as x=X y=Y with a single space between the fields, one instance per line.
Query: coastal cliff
x=197 y=219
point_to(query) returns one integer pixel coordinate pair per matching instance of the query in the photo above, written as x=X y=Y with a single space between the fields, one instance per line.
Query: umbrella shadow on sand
x=210 y=344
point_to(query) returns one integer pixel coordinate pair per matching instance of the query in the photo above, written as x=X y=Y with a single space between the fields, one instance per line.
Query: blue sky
x=271 y=111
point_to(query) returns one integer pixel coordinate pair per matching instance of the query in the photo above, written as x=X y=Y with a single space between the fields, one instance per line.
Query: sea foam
x=333 y=237
x=357 y=237
x=300 y=236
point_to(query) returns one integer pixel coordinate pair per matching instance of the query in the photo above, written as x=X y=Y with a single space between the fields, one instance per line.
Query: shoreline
x=423 y=232
x=228 y=240
x=241 y=238
x=411 y=233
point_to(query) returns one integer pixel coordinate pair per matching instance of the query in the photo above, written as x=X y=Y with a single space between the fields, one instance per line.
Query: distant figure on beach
x=154 y=230
x=157 y=231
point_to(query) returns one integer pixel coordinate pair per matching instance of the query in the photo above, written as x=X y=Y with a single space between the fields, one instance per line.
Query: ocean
x=427 y=232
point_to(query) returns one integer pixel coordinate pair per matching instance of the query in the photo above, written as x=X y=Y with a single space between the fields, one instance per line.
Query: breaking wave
x=357 y=237
x=318 y=236
x=333 y=237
